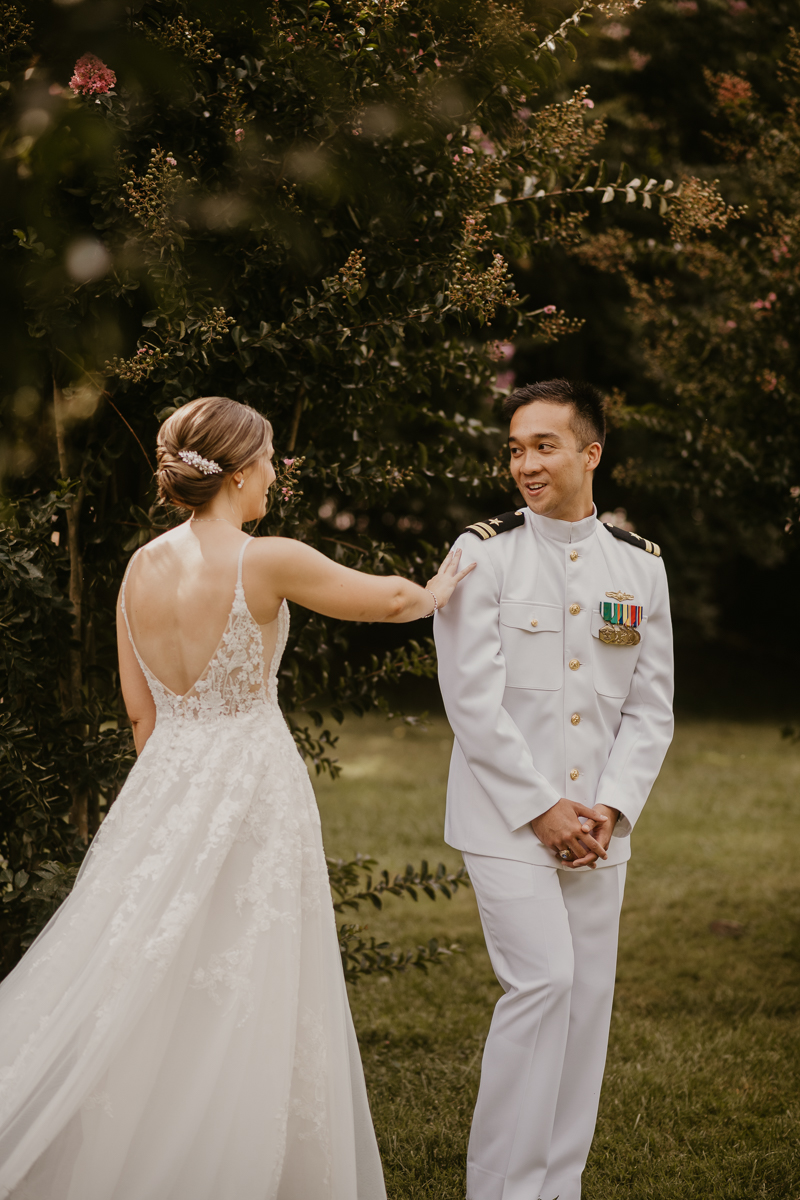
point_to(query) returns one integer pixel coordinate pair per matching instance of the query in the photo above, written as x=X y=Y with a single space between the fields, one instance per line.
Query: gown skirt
x=181 y=1030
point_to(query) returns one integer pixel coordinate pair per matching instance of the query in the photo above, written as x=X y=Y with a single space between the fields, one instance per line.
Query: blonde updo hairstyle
x=224 y=431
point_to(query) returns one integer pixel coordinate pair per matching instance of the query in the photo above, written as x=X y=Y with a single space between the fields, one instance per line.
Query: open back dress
x=180 y=1030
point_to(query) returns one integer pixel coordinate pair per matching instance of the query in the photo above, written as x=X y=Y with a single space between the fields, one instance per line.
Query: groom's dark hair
x=589 y=420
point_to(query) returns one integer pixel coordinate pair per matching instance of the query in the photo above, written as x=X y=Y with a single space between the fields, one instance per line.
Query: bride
x=180 y=1030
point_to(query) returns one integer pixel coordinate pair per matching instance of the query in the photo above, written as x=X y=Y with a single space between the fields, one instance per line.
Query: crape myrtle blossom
x=92 y=76
x=506 y=378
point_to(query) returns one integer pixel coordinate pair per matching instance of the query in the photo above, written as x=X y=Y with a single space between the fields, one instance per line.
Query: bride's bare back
x=179 y=593
x=178 y=598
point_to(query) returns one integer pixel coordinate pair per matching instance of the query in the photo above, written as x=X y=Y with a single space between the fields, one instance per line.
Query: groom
x=555 y=664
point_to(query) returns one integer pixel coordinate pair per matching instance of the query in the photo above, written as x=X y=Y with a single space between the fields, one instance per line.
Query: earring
x=240 y=483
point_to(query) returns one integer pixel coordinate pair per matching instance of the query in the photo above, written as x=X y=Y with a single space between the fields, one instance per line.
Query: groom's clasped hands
x=568 y=828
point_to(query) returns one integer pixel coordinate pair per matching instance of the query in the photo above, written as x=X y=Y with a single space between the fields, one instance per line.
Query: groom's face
x=551 y=470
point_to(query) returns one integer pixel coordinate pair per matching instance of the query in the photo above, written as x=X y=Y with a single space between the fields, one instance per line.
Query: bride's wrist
x=433 y=599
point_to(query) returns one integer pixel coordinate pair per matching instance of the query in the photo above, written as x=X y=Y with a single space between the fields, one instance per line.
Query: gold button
x=574 y=663
x=534 y=623
x=574 y=773
x=574 y=609
x=573 y=555
x=576 y=718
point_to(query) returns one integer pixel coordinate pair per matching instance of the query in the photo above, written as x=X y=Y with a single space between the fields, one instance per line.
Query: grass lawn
x=701 y=1093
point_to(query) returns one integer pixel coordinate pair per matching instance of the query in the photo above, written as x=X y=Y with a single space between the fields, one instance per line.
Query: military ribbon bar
x=629 y=615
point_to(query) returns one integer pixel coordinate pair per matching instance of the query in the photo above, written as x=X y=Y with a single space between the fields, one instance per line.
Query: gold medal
x=619 y=635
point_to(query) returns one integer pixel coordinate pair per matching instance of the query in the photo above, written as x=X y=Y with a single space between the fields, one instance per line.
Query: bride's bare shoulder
x=161 y=550
x=270 y=550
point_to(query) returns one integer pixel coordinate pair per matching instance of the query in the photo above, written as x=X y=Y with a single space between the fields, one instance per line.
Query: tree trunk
x=79 y=814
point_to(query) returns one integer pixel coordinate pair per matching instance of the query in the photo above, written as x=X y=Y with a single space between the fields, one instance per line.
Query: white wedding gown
x=180 y=1030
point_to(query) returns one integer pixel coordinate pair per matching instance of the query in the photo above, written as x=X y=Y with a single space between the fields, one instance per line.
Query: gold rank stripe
x=483 y=530
x=634 y=539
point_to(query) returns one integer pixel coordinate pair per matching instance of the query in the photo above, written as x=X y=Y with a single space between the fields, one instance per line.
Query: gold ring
x=566 y=855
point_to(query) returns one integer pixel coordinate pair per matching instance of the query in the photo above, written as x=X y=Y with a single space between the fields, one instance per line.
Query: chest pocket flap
x=532 y=617
x=532 y=643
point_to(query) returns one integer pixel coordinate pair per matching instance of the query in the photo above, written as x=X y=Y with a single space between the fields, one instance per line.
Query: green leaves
x=282 y=203
x=351 y=887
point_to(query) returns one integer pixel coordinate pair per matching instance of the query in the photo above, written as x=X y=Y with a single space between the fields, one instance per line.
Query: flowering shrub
x=716 y=312
x=317 y=210
x=92 y=77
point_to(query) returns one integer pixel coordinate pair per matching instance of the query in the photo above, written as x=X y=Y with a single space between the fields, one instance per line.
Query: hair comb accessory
x=206 y=465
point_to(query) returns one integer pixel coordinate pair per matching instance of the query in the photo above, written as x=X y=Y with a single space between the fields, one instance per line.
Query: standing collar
x=563 y=531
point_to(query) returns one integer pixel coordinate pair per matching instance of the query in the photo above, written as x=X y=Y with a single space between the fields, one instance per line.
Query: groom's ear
x=593 y=452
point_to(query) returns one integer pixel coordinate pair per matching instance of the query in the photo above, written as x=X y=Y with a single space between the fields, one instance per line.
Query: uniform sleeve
x=646 y=728
x=472 y=677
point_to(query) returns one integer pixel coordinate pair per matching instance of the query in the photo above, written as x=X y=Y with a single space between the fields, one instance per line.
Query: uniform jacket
x=533 y=695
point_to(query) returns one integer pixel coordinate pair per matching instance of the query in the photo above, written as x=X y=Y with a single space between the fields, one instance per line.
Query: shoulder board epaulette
x=489 y=529
x=633 y=539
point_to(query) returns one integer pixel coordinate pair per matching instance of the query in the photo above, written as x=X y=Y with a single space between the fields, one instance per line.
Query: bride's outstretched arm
x=290 y=569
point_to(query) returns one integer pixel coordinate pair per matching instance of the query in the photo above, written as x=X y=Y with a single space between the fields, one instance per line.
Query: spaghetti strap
x=122 y=603
x=241 y=560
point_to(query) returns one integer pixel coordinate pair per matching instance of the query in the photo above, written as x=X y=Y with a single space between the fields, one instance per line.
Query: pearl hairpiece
x=206 y=465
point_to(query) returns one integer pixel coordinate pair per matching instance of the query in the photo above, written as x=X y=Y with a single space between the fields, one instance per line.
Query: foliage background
x=309 y=208
x=367 y=220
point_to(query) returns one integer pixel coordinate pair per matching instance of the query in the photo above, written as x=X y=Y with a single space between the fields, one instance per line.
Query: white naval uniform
x=541 y=708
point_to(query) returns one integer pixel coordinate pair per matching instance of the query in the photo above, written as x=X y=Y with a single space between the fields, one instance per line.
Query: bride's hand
x=447 y=578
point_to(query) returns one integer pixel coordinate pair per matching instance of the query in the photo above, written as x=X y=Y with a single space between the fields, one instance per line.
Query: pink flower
x=732 y=91
x=587 y=103
x=173 y=162
x=637 y=60
x=772 y=296
x=92 y=76
x=466 y=150
x=239 y=134
x=730 y=324
x=738 y=6
x=438 y=64
x=288 y=462
x=549 y=308
x=456 y=158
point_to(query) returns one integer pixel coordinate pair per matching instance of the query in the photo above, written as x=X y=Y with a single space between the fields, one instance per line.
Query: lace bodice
x=236 y=680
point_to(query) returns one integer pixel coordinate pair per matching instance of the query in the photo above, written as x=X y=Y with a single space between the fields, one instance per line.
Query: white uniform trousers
x=552 y=939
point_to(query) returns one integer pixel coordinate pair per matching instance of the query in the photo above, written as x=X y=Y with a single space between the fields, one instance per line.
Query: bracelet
x=435 y=604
